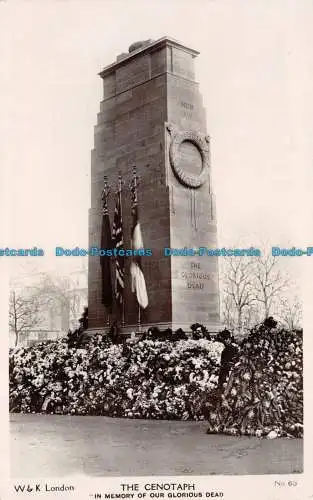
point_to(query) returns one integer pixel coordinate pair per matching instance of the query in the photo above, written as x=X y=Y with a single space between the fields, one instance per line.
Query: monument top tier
x=145 y=47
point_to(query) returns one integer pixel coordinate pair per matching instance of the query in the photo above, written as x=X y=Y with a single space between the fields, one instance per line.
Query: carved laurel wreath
x=202 y=143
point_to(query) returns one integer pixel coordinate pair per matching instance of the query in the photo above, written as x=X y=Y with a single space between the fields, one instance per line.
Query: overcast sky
x=253 y=69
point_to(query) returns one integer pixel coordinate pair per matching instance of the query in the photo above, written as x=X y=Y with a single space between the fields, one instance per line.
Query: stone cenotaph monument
x=152 y=117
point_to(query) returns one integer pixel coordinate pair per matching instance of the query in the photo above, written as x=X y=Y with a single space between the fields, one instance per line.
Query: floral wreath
x=202 y=143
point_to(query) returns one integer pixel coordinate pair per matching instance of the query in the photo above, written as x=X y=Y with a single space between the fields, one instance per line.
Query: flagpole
x=134 y=185
x=104 y=197
x=139 y=318
x=120 y=182
x=123 y=313
x=140 y=286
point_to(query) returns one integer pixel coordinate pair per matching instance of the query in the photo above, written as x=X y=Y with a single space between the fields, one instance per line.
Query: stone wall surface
x=143 y=95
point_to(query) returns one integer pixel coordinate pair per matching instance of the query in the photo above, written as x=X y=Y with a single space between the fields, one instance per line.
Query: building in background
x=62 y=300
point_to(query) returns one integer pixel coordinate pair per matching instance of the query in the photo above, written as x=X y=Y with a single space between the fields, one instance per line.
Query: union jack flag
x=118 y=241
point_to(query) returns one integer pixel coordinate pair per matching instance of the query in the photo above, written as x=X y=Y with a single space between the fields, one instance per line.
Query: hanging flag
x=118 y=241
x=138 y=280
x=105 y=261
x=139 y=284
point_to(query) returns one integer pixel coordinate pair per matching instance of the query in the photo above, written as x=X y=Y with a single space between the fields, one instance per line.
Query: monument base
x=212 y=328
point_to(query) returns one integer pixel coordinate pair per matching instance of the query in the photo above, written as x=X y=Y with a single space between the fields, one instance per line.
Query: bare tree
x=290 y=313
x=238 y=287
x=269 y=283
x=24 y=314
x=228 y=312
x=251 y=317
x=253 y=289
x=59 y=294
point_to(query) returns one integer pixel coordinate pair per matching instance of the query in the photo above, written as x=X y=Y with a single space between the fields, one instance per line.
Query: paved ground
x=50 y=445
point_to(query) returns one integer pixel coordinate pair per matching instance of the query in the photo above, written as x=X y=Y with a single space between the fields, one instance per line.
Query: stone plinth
x=152 y=117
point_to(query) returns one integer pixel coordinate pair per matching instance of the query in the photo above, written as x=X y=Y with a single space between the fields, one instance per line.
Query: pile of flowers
x=263 y=395
x=264 y=392
x=144 y=379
